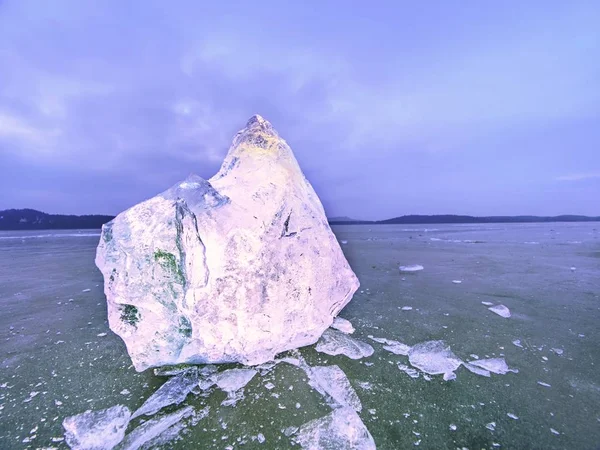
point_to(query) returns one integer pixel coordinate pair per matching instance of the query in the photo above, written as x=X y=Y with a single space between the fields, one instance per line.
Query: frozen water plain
x=55 y=361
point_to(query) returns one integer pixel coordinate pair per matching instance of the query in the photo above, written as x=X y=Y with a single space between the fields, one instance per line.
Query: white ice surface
x=433 y=357
x=97 y=430
x=332 y=381
x=333 y=343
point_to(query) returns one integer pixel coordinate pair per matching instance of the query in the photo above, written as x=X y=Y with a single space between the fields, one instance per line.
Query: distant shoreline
x=30 y=219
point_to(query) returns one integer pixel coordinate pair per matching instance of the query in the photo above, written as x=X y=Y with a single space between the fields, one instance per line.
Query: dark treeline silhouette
x=450 y=218
x=30 y=219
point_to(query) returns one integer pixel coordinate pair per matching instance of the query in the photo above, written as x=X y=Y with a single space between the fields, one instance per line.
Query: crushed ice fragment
x=406 y=308
x=269 y=385
x=477 y=370
x=101 y=334
x=260 y=438
x=494 y=365
x=501 y=310
x=99 y=430
x=172 y=392
x=558 y=351
x=487 y=303
x=397 y=348
x=412 y=268
x=491 y=426
x=512 y=416
x=234 y=379
x=433 y=357
x=453 y=427
x=541 y=383
x=290 y=431
x=413 y=373
x=448 y=376
x=334 y=343
x=517 y=342
x=86 y=290
x=340 y=429
x=553 y=431
x=332 y=381
x=153 y=428
x=344 y=242
x=342 y=325
x=456 y=281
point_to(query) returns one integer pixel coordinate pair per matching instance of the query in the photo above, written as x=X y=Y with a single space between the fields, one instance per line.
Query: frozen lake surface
x=58 y=358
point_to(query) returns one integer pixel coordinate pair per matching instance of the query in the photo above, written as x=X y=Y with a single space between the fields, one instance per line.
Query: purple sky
x=391 y=108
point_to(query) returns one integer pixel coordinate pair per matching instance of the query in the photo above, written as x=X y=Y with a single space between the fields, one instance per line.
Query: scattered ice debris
x=553 y=431
x=333 y=343
x=491 y=426
x=494 y=365
x=487 y=303
x=413 y=268
x=101 y=334
x=541 y=383
x=477 y=370
x=448 y=376
x=365 y=385
x=406 y=308
x=342 y=325
x=153 y=428
x=269 y=385
x=260 y=438
x=453 y=427
x=558 y=351
x=340 y=429
x=433 y=357
x=501 y=310
x=512 y=416
x=98 y=430
x=31 y=396
x=517 y=342
x=413 y=373
x=173 y=392
x=125 y=392
x=332 y=381
x=457 y=281
x=86 y=290
x=58 y=402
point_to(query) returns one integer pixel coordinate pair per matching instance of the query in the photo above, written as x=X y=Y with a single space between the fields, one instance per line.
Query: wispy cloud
x=578 y=176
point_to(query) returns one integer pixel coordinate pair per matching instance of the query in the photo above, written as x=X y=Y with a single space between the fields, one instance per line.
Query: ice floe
x=501 y=310
x=333 y=343
x=412 y=268
x=433 y=357
x=332 y=381
x=172 y=392
x=494 y=365
x=232 y=381
x=153 y=428
x=98 y=430
x=342 y=325
x=341 y=429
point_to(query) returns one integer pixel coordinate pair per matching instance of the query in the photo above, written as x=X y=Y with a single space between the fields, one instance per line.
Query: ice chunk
x=456 y=281
x=558 y=351
x=333 y=343
x=487 y=303
x=448 y=376
x=476 y=370
x=553 y=431
x=406 y=308
x=494 y=365
x=153 y=428
x=413 y=268
x=517 y=342
x=453 y=427
x=413 y=373
x=342 y=325
x=173 y=392
x=512 y=416
x=397 y=348
x=332 y=381
x=541 y=383
x=344 y=242
x=234 y=379
x=97 y=430
x=341 y=429
x=491 y=426
x=501 y=310
x=433 y=357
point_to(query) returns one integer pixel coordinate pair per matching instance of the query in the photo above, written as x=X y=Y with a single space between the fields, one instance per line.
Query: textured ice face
x=237 y=268
x=341 y=429
x=342 y=325
x=433 y=357
x=97 y=430
x=332 y=381
x=336 y=343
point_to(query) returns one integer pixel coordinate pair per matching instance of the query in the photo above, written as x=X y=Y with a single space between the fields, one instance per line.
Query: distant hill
x=341 y=219
x=30 y=219
x=450 y=218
